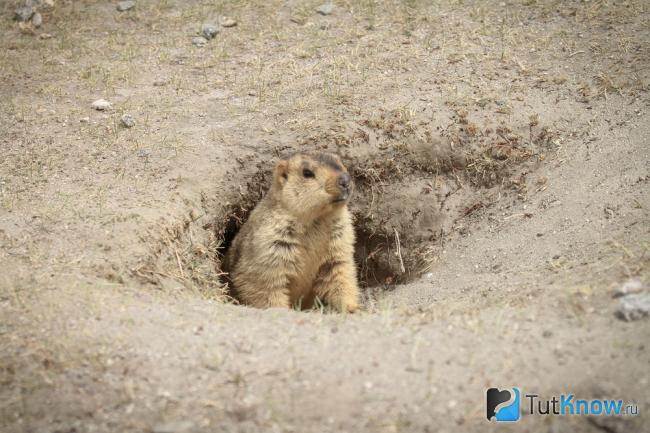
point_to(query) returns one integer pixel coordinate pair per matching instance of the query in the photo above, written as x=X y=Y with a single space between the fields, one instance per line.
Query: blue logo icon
x=503 y=405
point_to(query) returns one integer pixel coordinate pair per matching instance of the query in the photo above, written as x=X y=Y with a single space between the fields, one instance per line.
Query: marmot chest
x=312 y=251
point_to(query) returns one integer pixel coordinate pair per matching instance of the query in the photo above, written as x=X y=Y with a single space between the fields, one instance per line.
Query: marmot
x=298 y=242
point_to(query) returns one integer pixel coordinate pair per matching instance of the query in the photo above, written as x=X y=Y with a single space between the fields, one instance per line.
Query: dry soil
x=501 y=156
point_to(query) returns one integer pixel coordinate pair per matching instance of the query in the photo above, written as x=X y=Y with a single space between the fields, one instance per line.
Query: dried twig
x=178 y=260
x=399 y=252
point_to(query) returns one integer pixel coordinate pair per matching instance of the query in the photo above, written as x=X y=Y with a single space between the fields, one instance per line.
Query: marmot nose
x=344 y=181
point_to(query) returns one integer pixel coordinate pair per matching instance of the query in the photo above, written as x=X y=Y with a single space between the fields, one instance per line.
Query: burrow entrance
x=382 y=260
x=414 y=188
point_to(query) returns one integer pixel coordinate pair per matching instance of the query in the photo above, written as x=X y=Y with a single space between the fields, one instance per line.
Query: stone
x=209 y=31
x=37 y=20
x=124 y=6
x=127 y=121
x=199 y=41
x=24 y=13
x=634 y=306
x=101 y=105
x=228 y=22
x=325 y=9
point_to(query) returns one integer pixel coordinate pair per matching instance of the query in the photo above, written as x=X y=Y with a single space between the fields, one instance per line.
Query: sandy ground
x=506 y=144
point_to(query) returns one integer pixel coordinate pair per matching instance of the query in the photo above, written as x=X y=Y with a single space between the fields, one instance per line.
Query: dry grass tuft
x=189 y=250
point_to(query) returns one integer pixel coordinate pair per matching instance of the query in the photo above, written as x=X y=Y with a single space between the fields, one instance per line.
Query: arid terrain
x=501 y=156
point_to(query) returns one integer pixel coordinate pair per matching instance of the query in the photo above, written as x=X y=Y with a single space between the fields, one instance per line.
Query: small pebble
x=125 y=5
x=199 y=41
x=45 y=36
x=634 y=307
x=127 y=121
x=45 y=4
x=37 y=20
x=228 y=22
x=325 y=9
x=84 y=120
x=209 y=31
x=24 y=13
x=101 y=105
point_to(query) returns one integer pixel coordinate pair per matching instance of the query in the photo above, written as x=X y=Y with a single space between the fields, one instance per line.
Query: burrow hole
x=379 y=266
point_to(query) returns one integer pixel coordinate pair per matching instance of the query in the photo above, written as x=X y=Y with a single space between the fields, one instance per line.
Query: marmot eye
x=307 y=172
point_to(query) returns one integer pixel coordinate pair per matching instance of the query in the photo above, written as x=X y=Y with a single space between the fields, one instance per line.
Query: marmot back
x=298 y=243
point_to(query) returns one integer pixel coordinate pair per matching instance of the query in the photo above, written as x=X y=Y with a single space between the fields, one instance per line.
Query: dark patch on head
x=284 y=245
x=320 y=157
x=329 y=160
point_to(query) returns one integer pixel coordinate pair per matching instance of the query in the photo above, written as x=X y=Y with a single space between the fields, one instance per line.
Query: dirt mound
x=413 y=183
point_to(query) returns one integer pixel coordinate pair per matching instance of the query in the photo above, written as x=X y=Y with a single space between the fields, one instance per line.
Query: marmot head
x=312 y=184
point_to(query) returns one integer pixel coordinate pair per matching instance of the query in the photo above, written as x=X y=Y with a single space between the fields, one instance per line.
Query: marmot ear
x=281 y=172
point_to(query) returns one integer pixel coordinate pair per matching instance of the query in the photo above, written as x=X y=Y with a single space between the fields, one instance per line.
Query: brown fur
x=298 y=243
